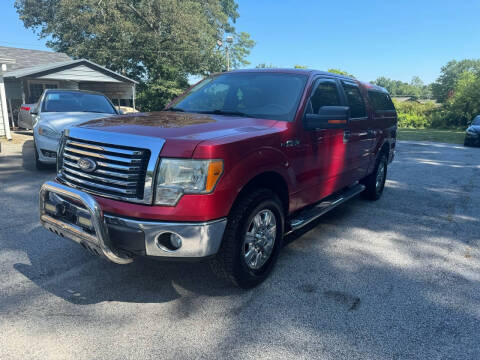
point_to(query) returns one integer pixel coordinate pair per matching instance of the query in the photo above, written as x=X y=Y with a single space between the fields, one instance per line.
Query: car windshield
x=265 y=95
x=476 y=121
x=66 y=101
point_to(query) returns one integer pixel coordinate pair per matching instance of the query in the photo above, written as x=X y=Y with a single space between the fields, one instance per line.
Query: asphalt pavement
x=394 y=279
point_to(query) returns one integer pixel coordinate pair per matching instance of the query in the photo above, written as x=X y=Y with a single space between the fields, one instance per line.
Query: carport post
x=133 y=96
x=3 y=105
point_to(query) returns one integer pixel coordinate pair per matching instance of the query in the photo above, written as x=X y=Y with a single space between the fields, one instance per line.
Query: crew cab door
x=359 y=134
x=318 y=155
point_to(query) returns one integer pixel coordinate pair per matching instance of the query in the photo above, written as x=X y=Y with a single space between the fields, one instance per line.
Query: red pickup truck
x=224 y=172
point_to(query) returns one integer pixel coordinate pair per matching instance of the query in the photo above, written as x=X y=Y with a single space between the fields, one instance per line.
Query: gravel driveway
x=394 y=279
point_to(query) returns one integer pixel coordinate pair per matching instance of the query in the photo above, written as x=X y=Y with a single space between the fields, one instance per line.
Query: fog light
x=176 y=241
x=51 y=208
x=169 y=241
x=85 y=222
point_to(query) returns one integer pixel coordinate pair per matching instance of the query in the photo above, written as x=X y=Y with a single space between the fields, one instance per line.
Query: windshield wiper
x=225 y=112
x=175 y=109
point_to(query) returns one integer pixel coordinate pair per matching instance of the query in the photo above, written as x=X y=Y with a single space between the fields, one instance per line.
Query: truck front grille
x=119 y=172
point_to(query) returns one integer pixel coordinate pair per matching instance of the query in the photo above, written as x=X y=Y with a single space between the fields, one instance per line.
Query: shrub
x=412 y=114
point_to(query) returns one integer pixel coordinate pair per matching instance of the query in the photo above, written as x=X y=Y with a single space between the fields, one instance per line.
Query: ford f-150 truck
x=224 y=172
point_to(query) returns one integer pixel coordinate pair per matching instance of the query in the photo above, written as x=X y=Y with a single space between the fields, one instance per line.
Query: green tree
x=464 y=101
x=157 y=42
x=340 y=72
x=300 y=66
x=415 y=89
x=444 y=86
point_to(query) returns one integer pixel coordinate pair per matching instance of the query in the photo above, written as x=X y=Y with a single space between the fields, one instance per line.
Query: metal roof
x=58 y=66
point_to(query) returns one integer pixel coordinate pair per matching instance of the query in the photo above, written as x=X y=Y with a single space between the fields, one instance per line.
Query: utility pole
x=229 y=40
x=228 y=60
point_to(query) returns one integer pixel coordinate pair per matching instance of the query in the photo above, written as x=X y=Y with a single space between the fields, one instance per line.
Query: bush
x=412 y=114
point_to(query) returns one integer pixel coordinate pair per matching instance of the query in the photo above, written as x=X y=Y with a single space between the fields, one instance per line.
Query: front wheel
x=375 y=182
x=252 y=239
x=38 y=164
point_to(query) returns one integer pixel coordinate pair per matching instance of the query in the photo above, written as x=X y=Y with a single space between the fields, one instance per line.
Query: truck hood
x=182 y=131
x=61 y=120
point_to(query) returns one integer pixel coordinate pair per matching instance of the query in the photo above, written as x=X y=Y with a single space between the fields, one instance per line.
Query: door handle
x=346 y=136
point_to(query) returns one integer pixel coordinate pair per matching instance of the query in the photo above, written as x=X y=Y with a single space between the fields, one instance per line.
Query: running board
x=308 y=215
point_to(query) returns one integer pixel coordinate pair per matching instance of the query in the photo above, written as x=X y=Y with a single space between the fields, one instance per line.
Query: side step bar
x=308 y=215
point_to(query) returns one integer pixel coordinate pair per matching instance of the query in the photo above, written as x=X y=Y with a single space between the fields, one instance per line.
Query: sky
x=369 y=38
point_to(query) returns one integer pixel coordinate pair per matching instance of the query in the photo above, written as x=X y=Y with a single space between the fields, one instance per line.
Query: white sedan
x=59 y=109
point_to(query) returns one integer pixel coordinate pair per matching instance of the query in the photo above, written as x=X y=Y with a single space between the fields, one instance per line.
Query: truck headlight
x=48 y=132
x=176 y=177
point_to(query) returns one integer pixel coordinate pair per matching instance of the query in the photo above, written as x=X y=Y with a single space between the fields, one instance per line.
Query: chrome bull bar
x=98 y=240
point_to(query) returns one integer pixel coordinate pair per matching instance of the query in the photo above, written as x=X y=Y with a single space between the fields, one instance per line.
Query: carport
x=25 y=85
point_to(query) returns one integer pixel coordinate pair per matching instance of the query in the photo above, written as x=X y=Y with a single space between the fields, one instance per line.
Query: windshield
x=66 y=101
x=476 y=121
x=250 y=94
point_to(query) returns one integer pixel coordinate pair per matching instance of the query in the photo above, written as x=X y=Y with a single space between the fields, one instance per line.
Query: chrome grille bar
x=100 y=178
x=102 y=156
x=101 y=163
x=122 y=175
x=99 y=186
x=103 y=148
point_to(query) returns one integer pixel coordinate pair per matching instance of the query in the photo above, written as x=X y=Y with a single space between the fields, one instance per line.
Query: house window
x=35 y=90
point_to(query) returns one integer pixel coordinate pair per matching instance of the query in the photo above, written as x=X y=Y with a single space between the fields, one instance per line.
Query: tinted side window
x=326 y=94
x=380 y=101
x=355 y=101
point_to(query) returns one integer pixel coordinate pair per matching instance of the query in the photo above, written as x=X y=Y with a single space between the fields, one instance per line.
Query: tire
x=375 y=182
x=38 y=164
x=231 y=261
x=466 y=142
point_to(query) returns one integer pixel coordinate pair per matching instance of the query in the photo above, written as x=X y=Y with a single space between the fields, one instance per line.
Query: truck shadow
x=93 y=280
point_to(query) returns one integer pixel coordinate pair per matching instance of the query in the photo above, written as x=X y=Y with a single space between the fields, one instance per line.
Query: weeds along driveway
x=393 y=279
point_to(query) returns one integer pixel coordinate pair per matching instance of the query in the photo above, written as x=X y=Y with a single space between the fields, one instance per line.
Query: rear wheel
x=467 y=142
x=375 y=182
x=252 y=239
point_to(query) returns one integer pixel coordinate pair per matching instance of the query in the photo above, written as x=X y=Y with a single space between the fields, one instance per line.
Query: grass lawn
x=446 y=136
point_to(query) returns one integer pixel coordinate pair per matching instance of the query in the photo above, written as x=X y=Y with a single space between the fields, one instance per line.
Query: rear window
x=380 y=101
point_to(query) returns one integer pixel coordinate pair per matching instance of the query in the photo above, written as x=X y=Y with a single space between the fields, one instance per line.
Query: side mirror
x=328 y=117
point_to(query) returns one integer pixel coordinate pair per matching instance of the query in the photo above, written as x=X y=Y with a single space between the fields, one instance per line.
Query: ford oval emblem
x=87 y=165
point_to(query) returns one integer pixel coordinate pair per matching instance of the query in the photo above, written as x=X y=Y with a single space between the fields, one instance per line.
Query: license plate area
x=68 y=211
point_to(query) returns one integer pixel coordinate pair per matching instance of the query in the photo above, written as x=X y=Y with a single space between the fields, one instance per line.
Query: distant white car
x=59 y=109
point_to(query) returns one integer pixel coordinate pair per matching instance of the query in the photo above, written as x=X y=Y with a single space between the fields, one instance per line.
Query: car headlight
x=48 y=132
x=176 y=177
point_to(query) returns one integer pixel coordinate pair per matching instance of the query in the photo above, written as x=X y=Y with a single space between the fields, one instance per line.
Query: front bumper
x=472 y=138
x=63 y=210
x=46 y=145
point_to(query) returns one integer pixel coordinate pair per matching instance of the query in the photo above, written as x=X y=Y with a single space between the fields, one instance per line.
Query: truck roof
x=314 y=72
